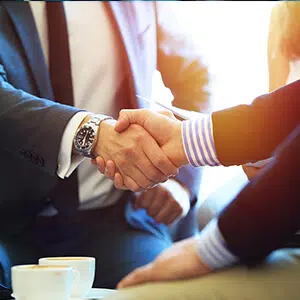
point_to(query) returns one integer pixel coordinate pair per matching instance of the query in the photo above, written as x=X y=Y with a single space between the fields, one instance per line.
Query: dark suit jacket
x=266 y=214
x=31 y=124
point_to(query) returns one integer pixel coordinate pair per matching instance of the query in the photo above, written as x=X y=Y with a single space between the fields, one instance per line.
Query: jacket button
x=28 y=156
x=40 y=161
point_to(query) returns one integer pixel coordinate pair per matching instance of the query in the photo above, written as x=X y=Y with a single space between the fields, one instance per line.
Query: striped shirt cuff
x=212 y=247
x=199 y=145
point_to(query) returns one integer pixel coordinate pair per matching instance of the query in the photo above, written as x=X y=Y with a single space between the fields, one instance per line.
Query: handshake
x=141 y=149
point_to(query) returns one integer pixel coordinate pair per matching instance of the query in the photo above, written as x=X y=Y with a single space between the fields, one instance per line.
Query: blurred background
x=231 y=37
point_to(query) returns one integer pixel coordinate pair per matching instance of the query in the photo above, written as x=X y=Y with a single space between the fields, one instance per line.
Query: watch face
x=84 y=138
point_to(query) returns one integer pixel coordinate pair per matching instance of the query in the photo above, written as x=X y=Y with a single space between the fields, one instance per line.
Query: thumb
x=167 y=113
x=130 y=116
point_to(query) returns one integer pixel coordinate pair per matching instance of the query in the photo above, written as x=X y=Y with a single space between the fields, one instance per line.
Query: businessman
x=258 y=229
x=66 y=69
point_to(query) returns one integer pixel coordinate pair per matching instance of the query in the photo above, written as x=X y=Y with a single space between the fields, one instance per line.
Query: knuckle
x=121 y=162
x=165 y=194
x=156 y=176
x=179 y=209
x=176 y=206
x=151 y=212
x=158 y=220
x=129 y=150
x=144 y=183
x=139 y=138
x=161 y=160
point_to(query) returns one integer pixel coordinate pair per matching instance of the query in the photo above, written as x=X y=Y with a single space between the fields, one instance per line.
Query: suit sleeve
x=266 y=214
x=248 y=133
x=184 y=72
x=31 y=128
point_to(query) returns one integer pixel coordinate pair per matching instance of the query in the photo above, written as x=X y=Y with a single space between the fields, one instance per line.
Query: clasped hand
x=140 y=150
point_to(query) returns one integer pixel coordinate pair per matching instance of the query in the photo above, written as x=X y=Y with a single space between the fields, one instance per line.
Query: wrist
x=179 y=144
x=106 y=129
x=86 y=137
x=85 y=120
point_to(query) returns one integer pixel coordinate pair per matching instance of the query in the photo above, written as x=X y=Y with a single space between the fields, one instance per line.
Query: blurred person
x=283 y=54
x=253 y=241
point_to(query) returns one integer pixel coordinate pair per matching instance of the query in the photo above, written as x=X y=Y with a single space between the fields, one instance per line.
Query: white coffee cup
x=85 y=266
x=37 y=282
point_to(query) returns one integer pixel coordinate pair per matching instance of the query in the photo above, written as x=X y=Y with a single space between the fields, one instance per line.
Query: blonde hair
x=289 y=28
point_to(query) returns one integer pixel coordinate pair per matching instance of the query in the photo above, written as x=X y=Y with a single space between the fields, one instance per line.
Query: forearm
x=35 y=125
x=265 y=215
x=212 y=248
x=198 y=142
x=248 y=133
x=68 y=158
x=74 y=148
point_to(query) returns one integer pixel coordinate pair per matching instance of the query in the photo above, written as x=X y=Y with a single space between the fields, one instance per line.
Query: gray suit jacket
x=31 y=124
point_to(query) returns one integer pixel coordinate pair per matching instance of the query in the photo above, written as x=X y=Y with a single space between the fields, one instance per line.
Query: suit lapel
x=21 y=16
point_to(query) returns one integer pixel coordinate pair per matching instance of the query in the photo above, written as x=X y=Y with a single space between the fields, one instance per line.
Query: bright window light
x=232 y=39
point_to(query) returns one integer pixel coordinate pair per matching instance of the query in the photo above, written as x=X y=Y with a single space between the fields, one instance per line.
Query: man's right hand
x=137 y=156
x=163 y=126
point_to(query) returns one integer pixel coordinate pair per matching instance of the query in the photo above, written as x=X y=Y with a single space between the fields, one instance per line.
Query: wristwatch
x=86 y=135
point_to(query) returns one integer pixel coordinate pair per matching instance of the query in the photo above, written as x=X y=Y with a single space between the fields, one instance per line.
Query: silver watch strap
x=93 y=122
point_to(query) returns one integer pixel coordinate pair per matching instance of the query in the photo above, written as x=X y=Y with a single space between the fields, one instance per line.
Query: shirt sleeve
x=68 y=162
x=180 y=194
x=199 y=145
x=212 y=247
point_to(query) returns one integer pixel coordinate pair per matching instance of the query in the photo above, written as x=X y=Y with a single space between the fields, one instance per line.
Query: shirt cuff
x=212 y=247
x=68 y=162
x=199 y=145
x=180 y=194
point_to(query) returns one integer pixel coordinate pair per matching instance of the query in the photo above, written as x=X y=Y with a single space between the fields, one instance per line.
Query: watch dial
x=85 y=137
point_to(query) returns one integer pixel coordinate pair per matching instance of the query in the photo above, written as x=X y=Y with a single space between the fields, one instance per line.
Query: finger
x=141 y=169
x=156 y=205
x=160 y=161
x=172 y=218
x=110 y=169
x=140 y=275
x=131 y=184
x=145 y=199
x=167 y=211
x=139 y=177
x=101 y=164
x=119 y=181
x=130 y=116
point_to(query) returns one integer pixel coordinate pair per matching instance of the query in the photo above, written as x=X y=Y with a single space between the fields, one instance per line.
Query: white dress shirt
x=96 y=74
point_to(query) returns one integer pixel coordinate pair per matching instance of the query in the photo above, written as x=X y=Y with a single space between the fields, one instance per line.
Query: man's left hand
x=180 y=261
x=165 y=203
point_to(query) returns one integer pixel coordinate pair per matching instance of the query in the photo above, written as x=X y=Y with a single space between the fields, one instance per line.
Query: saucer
x=97 y=294
x=93 y=294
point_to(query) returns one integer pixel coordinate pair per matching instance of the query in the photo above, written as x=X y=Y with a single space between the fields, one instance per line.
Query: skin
x=154 y=122
x=178 y=262
x=137 y=156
